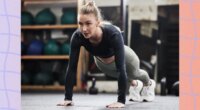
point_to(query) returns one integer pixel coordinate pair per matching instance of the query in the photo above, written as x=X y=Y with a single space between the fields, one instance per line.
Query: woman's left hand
x=116 y=105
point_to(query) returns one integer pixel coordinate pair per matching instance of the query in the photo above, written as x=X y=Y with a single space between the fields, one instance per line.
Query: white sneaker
x=148 y=92
x=134 y=92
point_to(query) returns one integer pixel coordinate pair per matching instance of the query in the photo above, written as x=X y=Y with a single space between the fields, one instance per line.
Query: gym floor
x=48 y=101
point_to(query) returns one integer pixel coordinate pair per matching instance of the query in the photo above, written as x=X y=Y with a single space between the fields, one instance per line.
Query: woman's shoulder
x=112 y=32
x=77 y=32
x=111 y=28
x=76 y=36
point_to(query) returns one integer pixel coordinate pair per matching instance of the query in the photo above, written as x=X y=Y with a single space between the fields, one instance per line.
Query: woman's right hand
x=65 y=103
x=116 y=105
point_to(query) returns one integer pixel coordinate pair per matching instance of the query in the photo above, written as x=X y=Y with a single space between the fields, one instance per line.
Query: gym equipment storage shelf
x=46 y=57
x=36 y=27
x=53 y=87
x=45 y=88
x=46 y=0
x=77 y=87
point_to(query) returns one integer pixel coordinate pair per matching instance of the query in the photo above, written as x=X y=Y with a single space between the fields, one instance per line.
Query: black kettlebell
x=93 y=89
x=175 y=88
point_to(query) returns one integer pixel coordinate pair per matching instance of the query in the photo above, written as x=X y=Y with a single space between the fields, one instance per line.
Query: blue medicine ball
x=35 y=48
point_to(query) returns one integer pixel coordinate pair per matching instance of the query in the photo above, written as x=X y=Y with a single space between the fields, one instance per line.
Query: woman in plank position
x=105 y=42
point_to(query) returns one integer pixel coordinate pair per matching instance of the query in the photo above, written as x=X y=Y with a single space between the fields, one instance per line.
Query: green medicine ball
x=27 y=18
x=65 y=48
x=43 y=78
x=51 y=48
x=69 y=17
x=45 y=16
x=25 y=78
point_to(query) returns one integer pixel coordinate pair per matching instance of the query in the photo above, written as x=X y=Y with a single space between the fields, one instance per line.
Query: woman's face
x=88 y=24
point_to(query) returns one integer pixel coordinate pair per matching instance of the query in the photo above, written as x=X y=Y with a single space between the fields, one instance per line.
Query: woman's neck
x=98 y=37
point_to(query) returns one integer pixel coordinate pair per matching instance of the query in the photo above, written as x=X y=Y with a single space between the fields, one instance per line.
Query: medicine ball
x=65 y=48
x=25 y=78
x=43 y=78
x=27 y=18
x=52 y=48
x=35 y=47
x=45 y=16
x=69 y=17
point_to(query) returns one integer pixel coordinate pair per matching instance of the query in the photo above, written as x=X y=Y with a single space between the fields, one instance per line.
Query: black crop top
x=111 y=44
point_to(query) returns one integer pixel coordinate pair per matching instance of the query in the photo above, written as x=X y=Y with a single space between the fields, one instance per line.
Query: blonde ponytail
x=91 y=8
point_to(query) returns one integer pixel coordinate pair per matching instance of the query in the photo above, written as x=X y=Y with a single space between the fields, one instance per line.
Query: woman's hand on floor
x=65 y=103
x=116 y=105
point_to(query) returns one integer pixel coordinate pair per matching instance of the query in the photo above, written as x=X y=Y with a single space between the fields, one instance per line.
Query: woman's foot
x=148 y=92
x=134 y=91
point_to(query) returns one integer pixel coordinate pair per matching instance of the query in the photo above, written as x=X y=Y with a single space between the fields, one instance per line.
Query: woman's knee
x=144 y=76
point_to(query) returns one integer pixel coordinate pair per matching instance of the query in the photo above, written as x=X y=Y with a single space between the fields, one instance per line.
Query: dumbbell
x=93 y=89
